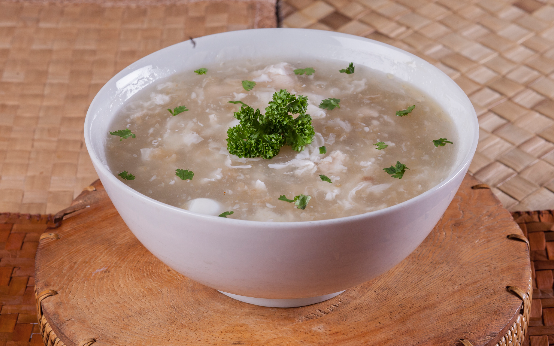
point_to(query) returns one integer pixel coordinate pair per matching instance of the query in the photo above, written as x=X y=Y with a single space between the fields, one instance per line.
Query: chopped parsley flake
x=248 y=85
x=126 y=175
x=322 y=150
x=380 y=145
x=123 y=134
x=239 y=102
x=202 y=70
x=329 y=104
x=349 y=69
x=441 y=142
x=226 y=213
x=184 y=174
x=301 y=201
x=263 y=135
x=396 y=171
x=405 y=111
x=178 y=110
x=284 y=198
x=325 y=178
x=308 y=71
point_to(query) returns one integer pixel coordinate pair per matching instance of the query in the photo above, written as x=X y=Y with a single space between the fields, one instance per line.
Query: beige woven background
x=55 y=56
x=53 y=60
x=500 y=52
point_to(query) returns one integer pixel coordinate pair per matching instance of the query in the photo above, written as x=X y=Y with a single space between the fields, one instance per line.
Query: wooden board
x=111 y=289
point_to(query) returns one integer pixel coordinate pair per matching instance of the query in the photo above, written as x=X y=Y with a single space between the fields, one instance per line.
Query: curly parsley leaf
x=284 y=198
x=441 y=142
x=380 y=145
x=301 y=201
x=308 y=71
x=178 y=110
x=239 y=102
x=349 y=69
x=405 y=111
x=123 y=134
x=263 y=135
x=248 y=85
x=226 y=213
x=126 y=175
x=184 y=174
x=322 y=150
x=202 y=70
x=325 y=178
x=396 y=171
x=329 y=104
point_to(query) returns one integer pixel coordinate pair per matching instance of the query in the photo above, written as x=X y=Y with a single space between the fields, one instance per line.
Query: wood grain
x=111 y=289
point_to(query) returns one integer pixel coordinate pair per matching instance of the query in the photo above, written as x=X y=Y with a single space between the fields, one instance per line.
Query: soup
x=363 y=156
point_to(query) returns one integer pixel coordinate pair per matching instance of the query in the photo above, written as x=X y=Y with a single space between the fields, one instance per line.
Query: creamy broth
x=195 y=140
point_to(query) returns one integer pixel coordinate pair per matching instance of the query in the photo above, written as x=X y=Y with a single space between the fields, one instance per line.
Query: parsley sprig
x=322 y=150
x=202 y=70
x=330 y=104
x=301 y=201
x=349 y=69
x=441 y=142
x=308 y=71
x=248 y=85
x=405 y=111
x=226 y=213
x=263 y=135
x=184 y=174
x=124 y=134
x=178 y=110
x=380 y=145
x=126 y=175
x=396 y=171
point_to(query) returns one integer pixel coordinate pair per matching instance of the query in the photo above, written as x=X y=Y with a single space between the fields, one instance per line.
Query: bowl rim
x=461 y=169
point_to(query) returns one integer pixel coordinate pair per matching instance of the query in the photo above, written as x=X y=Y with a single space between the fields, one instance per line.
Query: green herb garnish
x=396 y=171
x=178 y=110
x=202 y=70
x=123 y=134
x=263 y=135
x=284 y=198
x=325 y=178
x=349 y=69
x=184 y=174
x=301 y=201
x=248 y=85
x=226 y=213
x=329 y=104
x=239 y=102
x=405 y=111
x=126 y=175
x=441 y=142
x=380 y=145
x=308 y=71
x=322 y=150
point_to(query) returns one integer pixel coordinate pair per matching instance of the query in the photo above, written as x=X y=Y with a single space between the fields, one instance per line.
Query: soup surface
x=195 y=141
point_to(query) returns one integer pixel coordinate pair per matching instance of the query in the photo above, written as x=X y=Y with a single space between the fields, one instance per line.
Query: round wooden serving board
x=97 y=285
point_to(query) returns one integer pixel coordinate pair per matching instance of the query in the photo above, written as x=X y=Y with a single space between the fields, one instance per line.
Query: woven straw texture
x=55 y=55
x=500 y=52
x=53 y=61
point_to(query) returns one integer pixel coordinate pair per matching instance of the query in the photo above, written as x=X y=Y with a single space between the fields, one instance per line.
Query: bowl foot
x=282 y=303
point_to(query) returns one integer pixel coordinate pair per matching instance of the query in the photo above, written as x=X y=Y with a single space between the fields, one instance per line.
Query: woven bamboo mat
x=55 y=56
x=500 y=52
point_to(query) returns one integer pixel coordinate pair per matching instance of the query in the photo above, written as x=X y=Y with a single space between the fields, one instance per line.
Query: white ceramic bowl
x=280 y=263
